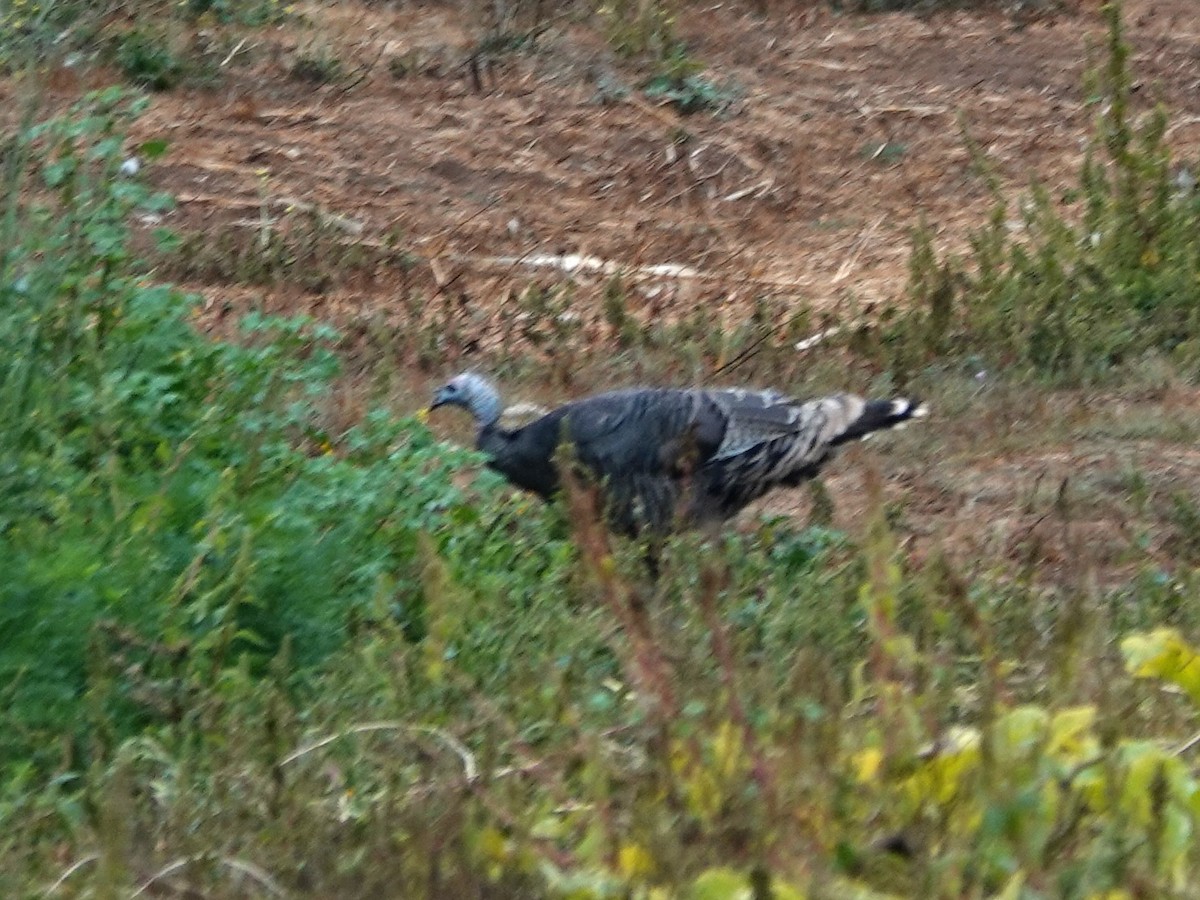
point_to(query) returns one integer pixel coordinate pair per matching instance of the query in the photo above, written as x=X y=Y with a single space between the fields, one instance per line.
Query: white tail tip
x=917 y=411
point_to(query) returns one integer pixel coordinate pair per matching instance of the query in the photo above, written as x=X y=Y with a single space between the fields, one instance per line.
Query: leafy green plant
x=690 y=93
x=145 y=41
x=146 y=59
x=181 y=490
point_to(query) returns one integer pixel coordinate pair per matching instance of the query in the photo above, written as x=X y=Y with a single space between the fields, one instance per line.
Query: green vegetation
x=146 y=59
x=246 y=653
x=1077 y=287
x=161 y=483
x=689 y=92
x=153 y=43
x=645 y=30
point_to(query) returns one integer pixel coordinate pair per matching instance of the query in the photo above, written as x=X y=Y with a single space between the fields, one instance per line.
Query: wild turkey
x=673 y=456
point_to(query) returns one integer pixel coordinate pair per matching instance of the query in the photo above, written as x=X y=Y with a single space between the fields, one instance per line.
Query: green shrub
x=783 y=717
x=690 y=92
x=175 y=488
x=154 y=43
x=241 y=655
x=146 y=59
x=1074 y=287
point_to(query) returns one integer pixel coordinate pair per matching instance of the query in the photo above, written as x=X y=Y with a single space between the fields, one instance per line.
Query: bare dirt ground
x=845 y=136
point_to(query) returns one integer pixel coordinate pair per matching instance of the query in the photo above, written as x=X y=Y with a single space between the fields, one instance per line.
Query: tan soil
x=788 y=195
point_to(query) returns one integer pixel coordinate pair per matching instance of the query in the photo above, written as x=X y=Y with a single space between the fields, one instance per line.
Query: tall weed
x=1073 y=287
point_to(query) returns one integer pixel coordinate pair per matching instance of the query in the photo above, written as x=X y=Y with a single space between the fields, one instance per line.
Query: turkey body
x=674 y=457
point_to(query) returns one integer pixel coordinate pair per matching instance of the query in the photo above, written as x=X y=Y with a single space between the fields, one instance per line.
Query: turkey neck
x=524 y=456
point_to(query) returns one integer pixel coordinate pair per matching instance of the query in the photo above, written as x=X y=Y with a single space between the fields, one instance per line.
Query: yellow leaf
x=1149 y=772
x=867 y=763
x=720 y=884
x=492 y=845
x=634 y=862
x=1071 y=735
x=1019 y=732
x=1163 y=653
x=947 y=771
x=704 y=795
x=783 y=891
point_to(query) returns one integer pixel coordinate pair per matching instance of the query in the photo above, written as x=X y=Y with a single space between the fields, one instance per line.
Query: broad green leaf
x=153 y=149
x=721 y=884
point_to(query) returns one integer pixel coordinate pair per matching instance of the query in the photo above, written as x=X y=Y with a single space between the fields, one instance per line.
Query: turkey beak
x=441 y=398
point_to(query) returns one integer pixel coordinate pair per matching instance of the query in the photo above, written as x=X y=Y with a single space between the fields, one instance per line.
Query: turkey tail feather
x=877 y=415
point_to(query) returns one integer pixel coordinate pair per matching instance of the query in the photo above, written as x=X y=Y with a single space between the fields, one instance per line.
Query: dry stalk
x=646 y=663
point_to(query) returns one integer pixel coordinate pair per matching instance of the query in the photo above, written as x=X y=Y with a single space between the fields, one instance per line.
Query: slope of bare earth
x=844 y=134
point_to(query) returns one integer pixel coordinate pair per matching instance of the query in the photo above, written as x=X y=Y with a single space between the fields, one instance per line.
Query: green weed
x=146 y=59
x=148 y=41
x=166 y=484
x=1078 y=289
x=244 y=652
x=690 y=93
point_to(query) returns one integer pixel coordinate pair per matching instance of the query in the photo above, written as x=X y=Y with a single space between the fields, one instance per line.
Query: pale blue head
x=472 y=392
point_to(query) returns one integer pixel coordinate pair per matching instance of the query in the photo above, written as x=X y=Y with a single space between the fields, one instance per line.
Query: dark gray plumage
x=674 y=456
